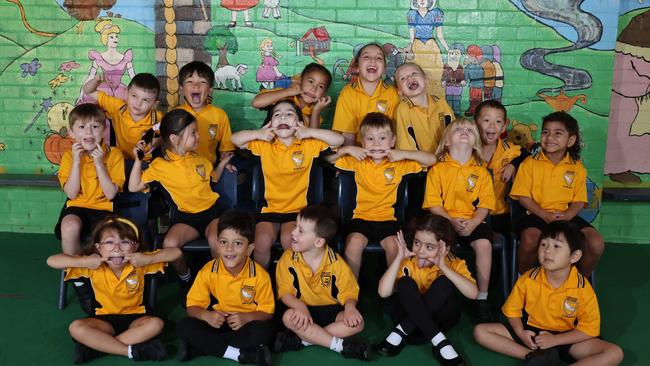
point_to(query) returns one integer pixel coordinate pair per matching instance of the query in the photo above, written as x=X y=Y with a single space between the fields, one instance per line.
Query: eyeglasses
x=123 y=244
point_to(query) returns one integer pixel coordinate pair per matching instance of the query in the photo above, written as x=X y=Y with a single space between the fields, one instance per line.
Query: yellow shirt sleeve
x=115 y=167
x=523 y=183
x=283 y=278
x=589 y=313
x=255 y=147
x=264 y=293
x=346 y=163
x=344 y=119
x=110 y=104
x=199 y=294
x=226 y=133
x=64 y=168
x=433 y=189
x=581 y=185
x=486 y=192
x=346 y=282
x=77 y=272
x=514 y=304
x=459 y=266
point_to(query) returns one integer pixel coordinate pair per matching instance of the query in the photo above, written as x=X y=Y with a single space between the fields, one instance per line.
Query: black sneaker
x=287 y=341
x=353 y=348
x=543 y=357
x=388 y=349
x=83 y=353
x=483 y=312
x=186 y=352
x=260 y=355
x=436 y=350
x=152 y=349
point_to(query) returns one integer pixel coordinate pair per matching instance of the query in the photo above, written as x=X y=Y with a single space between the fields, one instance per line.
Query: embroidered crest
x=441 y=118
x=298 y=157
x=570 y=306
x=132 y=282
x=471 y=182
x=200 y=170
x=212 y=131
x=382 y=106
x=389 y=174
x=568 y=177
x=247 y=294
x=325 y=279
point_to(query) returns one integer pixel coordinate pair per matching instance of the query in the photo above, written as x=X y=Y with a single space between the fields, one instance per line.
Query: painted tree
x=220 y=40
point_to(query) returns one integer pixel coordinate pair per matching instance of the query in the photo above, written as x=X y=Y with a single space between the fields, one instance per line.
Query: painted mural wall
x=535 y=56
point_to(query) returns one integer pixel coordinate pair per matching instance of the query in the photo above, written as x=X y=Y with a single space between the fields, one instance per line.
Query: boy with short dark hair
x=230 y=304
x=197 y=80
x=133 y=117
x=552 y=311
x=319 y=290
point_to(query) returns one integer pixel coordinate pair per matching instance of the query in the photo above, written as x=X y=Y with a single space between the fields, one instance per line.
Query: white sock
x=447 y=352
x=232 y=353
x=337 y=344
x=482 y=296
x=186 y=277
x=305 y=343
x=129 y=354
x=395 y=338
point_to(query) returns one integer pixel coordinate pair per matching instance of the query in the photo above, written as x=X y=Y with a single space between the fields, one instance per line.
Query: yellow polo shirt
x=458 y=189
x=214 y=130
x=503 y=155
x=420 y=128
x=552 y=187
x=332 y=283
x=216 y=288
x=571 y=306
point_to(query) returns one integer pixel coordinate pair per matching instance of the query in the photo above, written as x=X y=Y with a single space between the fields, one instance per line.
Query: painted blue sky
x=599 y=8
x=140 y=11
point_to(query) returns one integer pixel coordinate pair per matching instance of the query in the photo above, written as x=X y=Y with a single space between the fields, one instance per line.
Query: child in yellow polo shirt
x=119 y=323
x=378 y=173
x=501 y=158
x=318 y=293
x=230 y=304
x=197 y=80
x=308 y=93
x=184 y=177
x=424 y=281
x=460 y=189
x=133 y=117
x=552 y=185
x=552 y=312
x=368 y=94
x=287 y=151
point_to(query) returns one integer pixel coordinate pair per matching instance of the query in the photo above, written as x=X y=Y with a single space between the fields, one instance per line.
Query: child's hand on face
x=507 y=172
x=352 y=317
x=98 y=154
x=545 y=340
x=295 y=88
x=266 y=133
x=301 y=318
x=439 y=259
x=137 y=259
x=94 y=261
x=215 y=318
x=395 y=155
x=402 y=250
x=301 y=132
x=77 y=150
x=356 y=152
x=323 y=102
x=527 y=336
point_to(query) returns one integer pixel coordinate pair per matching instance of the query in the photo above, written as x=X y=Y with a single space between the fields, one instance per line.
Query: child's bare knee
x=76 y=327
x=286 y=318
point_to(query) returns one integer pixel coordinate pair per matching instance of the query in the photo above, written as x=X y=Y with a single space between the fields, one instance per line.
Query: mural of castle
x=469 y=52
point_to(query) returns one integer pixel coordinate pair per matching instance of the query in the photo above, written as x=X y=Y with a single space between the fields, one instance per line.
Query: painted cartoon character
x=474 y=77
x=267 y=72
x=489 y=72
x=271 y=6
x=497 y=94
x=236 y=6
x=453 y=77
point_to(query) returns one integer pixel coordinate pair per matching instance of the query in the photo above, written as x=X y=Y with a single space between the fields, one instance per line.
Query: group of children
x=230 y=302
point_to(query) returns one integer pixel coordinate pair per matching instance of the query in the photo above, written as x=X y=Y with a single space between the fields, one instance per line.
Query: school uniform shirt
x=377 y=185
x=123 y=295
x=216 y=288
x=90 y=191
x=332 y=283
x=214 y=130
x=458 y=189
x=503 y=155
x=186 y=179
x=307 y=110
x=353 y=105
x=571 y=306
x=552 y=187
x=127 y=131
x=420 y=128
x=286 y=171
x=425 y=276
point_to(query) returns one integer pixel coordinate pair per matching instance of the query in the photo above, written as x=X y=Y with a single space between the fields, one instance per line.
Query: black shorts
x=119 y=322
x=537 y=222
x=482 y=231
x=322 y=315
x=562 y=349
x=374 y=231
x=501 y=223
x=200 y=220
x=89 y=217
x=276 y=218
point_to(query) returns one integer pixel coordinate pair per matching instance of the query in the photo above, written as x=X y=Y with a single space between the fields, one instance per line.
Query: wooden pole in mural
x=171 y=67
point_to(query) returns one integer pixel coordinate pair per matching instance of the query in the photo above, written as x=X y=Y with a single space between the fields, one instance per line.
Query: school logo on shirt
x=471 y=182
x=200 y=170
x=382 y=106
x=570 y=306
x=212 y=131
x=298 y=157
x=132 y=283
x=325 y=279
x=568 y=178
x=247 y=294
x=389 y=174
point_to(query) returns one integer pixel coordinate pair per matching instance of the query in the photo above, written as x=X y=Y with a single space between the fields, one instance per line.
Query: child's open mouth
x=230 y=257
x=309 y=95
x=116 y=260
x=196 y=98
x=377 y=151
x=490 y=135
x=413 y=85
x=283 y=126
x=371 y=69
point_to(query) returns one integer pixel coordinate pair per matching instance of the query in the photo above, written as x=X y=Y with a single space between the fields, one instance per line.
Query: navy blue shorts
x=531 y=220
x=200 y=220
x=374 y=231
x=119 y=322
x=88 y=216
x=482 y=231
